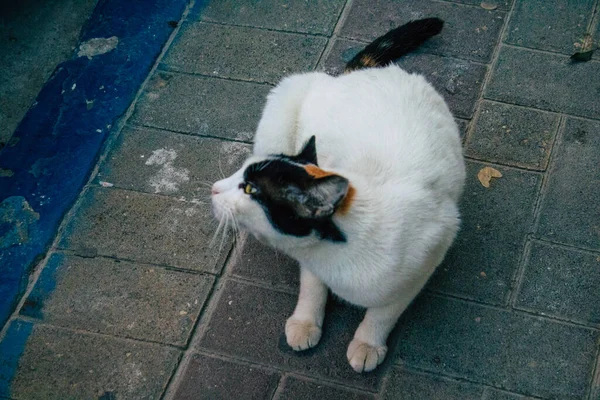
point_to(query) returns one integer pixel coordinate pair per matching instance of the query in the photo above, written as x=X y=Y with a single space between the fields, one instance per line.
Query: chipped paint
x=168 y=178
x=6 y=173
x=16 y=218
x=96 y=46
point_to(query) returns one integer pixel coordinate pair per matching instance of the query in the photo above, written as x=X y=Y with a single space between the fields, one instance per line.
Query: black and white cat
x=358 y=178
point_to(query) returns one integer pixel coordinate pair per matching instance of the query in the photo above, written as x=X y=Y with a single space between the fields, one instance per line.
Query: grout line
x=547 y=52
x=488 y=76
x=566 y=246
x=112 y=336
x=279 y=389
x=334 y=35
x=259 y=28
x=506 y=166
x=175 y=70
x=73 y=253
x=520 y=312
x=560 y=113
x=594 y=385
x=201 y=325
x=136 y=125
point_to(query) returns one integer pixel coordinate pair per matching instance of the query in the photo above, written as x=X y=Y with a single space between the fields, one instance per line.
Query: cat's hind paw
x=301 y=335
x=364 y=357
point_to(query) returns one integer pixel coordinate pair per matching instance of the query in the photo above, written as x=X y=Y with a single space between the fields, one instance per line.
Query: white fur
x=392 y=136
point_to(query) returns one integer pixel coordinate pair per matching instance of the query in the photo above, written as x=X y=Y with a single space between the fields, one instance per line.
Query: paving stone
x=513 y=135
x=118 y=298
x=458 y=81
x=297 y=388
x=185 y=166
x=500 y=4
x=562 y=283
x=200 y=105
x=258 y=262
x=407 y=385
x=61 y=364
x=146 y=228
x=497 y=347
x=469 y=32
x=463 y=126
x=553 y=25
x=495 y=220
x=314 y=16
x=243 y=53
x=569 y=212
x=207 y=377
x=249 y=323
x=494 y=394
x=546 y=81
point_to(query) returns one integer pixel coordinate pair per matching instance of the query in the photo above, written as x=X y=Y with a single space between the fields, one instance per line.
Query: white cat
x=358 y=178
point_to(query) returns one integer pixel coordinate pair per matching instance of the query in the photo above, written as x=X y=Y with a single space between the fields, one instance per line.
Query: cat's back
x=382 y=121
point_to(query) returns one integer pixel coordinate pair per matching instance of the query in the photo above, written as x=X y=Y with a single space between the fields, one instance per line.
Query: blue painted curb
x=45 y=165
x=11 y=349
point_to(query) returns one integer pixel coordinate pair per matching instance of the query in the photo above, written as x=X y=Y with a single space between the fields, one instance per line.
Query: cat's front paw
x=301 y=335
x=364 y=357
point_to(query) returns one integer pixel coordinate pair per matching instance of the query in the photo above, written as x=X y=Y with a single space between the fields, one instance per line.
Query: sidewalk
x=132 y=301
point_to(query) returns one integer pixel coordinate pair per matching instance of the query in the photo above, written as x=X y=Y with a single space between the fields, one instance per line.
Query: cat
x=357 y=177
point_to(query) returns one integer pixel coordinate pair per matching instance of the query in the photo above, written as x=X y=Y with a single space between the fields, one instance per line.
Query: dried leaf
x=582 y=56
x=486 y=174
x=488 y=5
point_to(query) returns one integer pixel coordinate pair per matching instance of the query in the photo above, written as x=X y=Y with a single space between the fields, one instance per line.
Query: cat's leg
x=368 y=348
x=303 y=328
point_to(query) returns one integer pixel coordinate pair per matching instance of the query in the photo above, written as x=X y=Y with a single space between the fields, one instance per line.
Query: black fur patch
x=395 y=44
x=286 y=191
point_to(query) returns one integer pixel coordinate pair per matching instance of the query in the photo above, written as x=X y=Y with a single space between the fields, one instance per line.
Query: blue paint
x=58 y=141
x=11 y=349
x=34 y=304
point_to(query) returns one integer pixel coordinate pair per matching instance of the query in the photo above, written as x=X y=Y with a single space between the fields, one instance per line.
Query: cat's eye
x=249 y=189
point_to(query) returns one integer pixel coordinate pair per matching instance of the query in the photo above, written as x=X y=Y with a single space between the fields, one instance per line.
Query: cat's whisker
x=219 y=227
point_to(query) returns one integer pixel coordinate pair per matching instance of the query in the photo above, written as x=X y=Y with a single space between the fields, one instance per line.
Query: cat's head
x=283 y=198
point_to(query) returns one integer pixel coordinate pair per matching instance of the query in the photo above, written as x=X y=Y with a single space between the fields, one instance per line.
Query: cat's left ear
x=308 y=155
x=320 y=198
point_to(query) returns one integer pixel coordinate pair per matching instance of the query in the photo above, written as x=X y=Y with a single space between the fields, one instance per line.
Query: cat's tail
x=395 y=44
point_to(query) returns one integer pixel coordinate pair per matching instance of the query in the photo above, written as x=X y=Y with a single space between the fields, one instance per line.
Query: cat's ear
x=320 y=198
x=308 y=155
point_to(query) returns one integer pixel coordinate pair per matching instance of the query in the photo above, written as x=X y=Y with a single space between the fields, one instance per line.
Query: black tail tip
x=432 y=26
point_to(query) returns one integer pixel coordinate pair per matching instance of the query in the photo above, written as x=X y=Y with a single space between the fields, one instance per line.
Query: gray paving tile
x=297 y=388
x=554 y=25
x=406 y=385
x=249 y=323
x=257 y=262
x=469 y=32
x=146 y=228
x=313 y=16
x=243 y=53
x=457 y=80
x=545 y=81
x=61 y=364
x=569 y=212
x=118 y=298
x=200 y=105
x=213 y=378
x=497 y=347
x=185 y=166
x=495 y=220
x=513 y=135
x=562 y=283
x=494 y=394
x=500 y=4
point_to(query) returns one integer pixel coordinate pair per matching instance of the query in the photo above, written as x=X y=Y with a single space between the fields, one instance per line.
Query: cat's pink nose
x=214 y=190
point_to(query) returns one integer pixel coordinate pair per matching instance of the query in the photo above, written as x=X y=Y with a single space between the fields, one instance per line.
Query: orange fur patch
x=346 y=203
x=316 y=172
x=368 y=61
